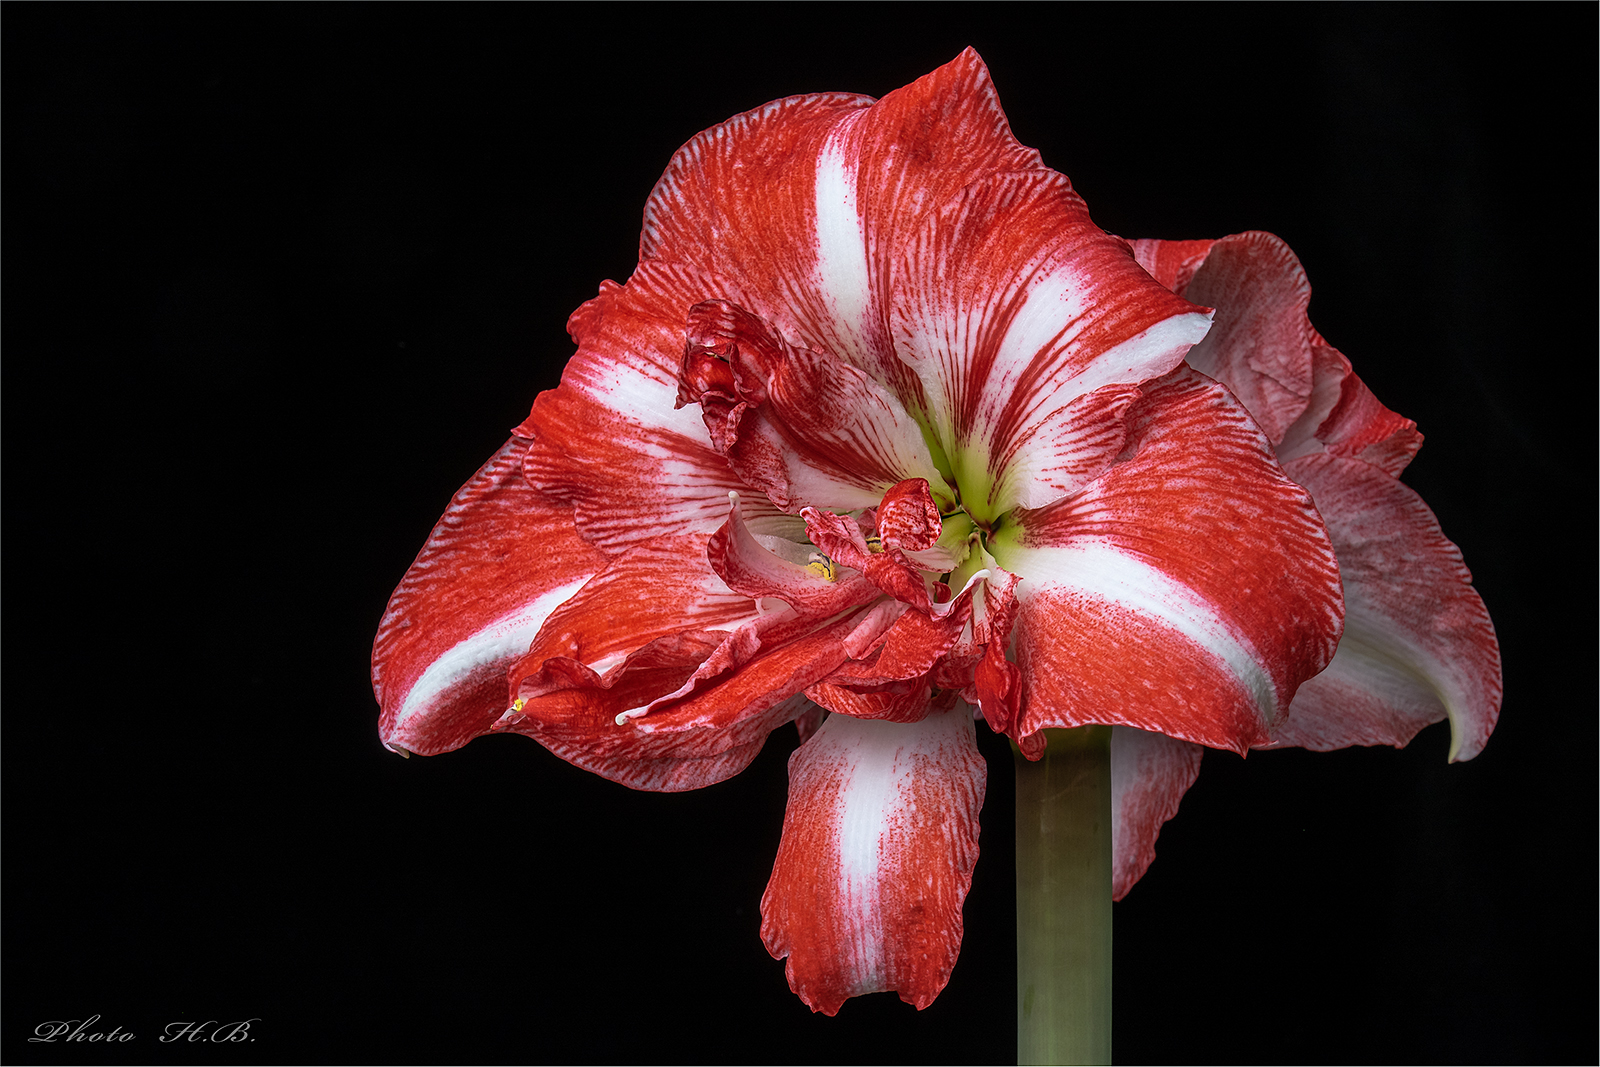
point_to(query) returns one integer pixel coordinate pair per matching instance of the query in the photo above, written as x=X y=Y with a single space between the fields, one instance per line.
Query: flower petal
x=1418 y=645
x=1359 y=426
x=1150 y=772
x=879 y=841
x=611 y=441
x=812 y=430
x=1260 y=344
x=500 y=560
x=837 y=184
x=1188 y=591
x=1009 y=303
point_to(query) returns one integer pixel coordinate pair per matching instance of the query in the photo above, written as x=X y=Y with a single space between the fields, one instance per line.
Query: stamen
x=823 y=567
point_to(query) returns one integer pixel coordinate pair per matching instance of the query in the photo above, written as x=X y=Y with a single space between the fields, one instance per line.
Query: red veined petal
x=610 y=441
x=905 y=701
x=1260 y=343
x=1297 y=387
x=836 y=181
x=1188 y=591
x=579 y=726
x=1418 y=645
x=752 y=568
x=1172 y=263
x=753 y=684
x=500 y=560
x=879 y=840
x=1329 y=369
x=659 y=588
x=1359 y=426
x=811 y=429
x=1150 y=772
x=1009 y=303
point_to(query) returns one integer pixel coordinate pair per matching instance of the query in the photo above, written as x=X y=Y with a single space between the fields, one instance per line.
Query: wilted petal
x=879 y=841
x=1188 y=591
x=1418 y=644
x=500 y=560
x=1150 y=772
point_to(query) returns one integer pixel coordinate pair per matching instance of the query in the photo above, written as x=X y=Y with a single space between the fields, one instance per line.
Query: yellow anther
x=823 y=567
x=517 y=706
x=874 y=543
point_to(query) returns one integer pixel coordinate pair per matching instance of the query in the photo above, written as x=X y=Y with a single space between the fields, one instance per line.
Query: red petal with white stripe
x=1188 y=591
x=1149 y=774
x=498 y=563
x=879 y=841
x=1418 y=645
x=810 y=429
x=1009 y=303
x=836 y=181
x=611 y=441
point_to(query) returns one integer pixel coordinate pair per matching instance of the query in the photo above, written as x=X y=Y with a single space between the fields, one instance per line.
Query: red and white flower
x=883 y=428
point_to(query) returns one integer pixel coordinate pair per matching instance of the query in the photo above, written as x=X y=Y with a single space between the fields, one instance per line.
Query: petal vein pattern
x=879 y=841
x=1188 y=590
x=497 y=563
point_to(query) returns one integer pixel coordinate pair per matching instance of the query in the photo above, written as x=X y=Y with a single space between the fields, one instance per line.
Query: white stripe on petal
x=841 y=271
x=1101 y=571
x=506 y=637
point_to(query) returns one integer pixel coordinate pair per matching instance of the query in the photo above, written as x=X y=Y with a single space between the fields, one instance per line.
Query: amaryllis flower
x=882 y=434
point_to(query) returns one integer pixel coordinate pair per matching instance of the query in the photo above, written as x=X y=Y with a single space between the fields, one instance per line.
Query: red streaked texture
x=885 y=313
x=1150 y=772
x=1202 y=519
x=1009 y=304
x=1418 y=642
x=497 y=551
x=879 y=841
x=1418 y=645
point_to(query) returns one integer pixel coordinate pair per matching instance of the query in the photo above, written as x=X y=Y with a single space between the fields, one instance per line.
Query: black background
x=277 y=279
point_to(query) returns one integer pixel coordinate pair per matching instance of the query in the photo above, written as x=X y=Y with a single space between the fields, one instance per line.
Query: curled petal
x=1260 y=344
x=500 y=560
x=807 y=428
x=908 y=518
x=1172 y=263
x=1150 y=772
x=1418 y=645
x=750 y=568
x=1359 y=426
x=1189 y=590
x=895 y=701
x=879 y=841
x=611 y=441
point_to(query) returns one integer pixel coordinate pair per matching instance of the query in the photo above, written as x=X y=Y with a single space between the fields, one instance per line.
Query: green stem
x=1064 y=899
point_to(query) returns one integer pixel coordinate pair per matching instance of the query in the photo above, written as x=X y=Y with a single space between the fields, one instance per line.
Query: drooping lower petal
x=1418 y=645
x=879 y=841
x=1189 y=590
x=500 y=560
x=1150 y=772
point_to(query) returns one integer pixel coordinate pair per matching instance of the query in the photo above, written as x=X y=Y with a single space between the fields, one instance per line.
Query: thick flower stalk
x=883 y=436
